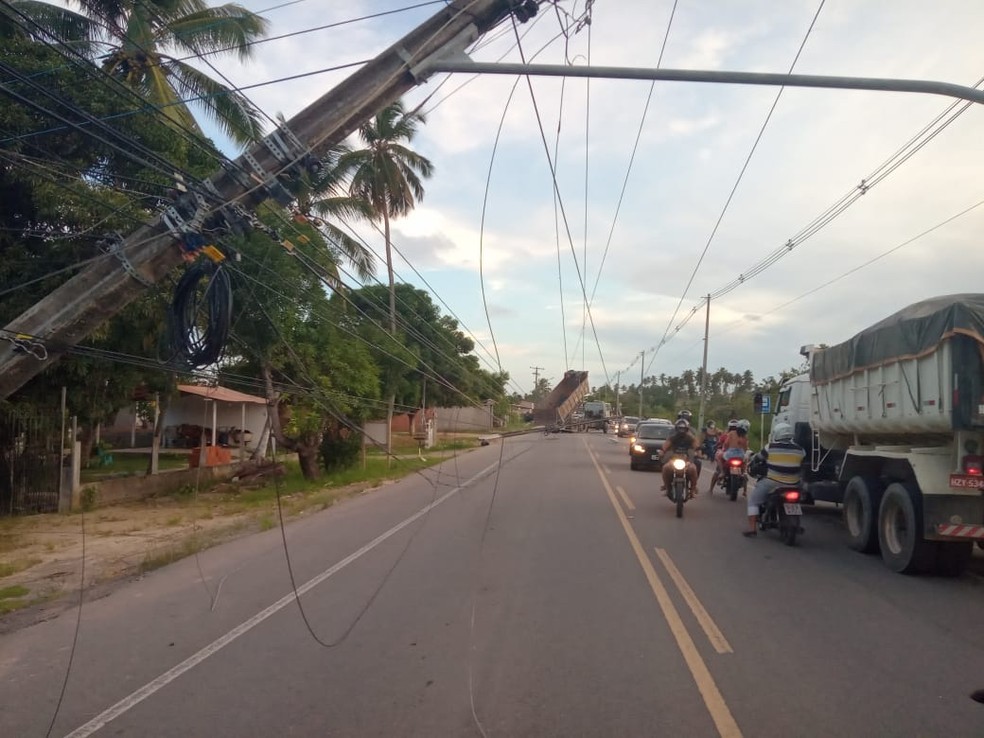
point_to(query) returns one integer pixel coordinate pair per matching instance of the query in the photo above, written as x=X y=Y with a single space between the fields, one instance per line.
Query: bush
x=340 y=451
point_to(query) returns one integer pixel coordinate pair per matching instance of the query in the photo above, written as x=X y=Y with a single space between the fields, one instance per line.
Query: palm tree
x=141 y=42
x=387 y=174
x=324 y=194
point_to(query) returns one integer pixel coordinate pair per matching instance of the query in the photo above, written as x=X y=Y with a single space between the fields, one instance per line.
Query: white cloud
x=818 y=145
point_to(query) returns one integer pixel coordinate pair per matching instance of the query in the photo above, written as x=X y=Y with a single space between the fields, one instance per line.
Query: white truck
x=597 y=414
x=893 y=424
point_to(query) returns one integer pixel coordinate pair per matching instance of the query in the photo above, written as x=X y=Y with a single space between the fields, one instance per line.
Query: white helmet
x=782 y=432
x=744 y=425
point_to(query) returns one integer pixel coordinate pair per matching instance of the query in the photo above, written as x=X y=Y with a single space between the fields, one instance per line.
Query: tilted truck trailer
x=893 y=424
x=559 y=405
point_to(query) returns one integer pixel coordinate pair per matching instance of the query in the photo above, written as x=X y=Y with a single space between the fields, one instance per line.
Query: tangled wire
x=201 y=314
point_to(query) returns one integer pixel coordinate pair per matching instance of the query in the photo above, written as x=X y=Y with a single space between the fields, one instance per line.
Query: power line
x=734 y=189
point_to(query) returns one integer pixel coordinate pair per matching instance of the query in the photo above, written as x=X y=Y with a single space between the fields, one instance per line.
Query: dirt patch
x=43 y=553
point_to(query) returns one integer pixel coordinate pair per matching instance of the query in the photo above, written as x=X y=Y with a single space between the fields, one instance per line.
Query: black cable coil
x=201 y=315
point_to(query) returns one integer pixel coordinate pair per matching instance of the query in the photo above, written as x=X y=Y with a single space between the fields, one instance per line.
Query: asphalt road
x=533 y=588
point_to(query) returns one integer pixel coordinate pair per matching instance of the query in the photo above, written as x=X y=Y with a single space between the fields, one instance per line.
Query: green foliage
x=428 y=354
x=340 y=451
x=90 y=497
x=140 y=34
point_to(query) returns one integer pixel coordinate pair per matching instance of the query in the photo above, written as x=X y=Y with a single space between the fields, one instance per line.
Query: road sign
x=766 y=405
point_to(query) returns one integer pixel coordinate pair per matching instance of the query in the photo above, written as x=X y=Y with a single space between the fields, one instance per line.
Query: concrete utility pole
x=703 y=368
x=101 y=290
x=642 y=378
x=536 y=376
x=618 y=378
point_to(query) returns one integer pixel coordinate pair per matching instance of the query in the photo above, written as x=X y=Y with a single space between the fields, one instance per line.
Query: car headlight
x=638 y=449
x=679 y=464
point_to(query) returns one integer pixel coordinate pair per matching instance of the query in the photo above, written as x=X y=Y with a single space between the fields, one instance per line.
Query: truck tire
x=903 y=548
x=861 y=500
x=952 y=557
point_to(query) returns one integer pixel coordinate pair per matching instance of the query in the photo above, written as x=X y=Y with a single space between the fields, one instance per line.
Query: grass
x=134 y=464
x=12 y=567
x=169 y=554
x=13 y=598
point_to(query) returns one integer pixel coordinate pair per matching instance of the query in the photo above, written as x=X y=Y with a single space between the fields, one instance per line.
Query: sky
x=693 y=143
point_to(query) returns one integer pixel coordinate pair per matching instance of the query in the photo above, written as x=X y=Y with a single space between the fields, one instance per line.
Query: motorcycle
x=679 y=491
x=782 y=509
x=734 y=477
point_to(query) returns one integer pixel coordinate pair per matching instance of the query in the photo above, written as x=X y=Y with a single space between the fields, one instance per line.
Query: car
x=646 y=445
x=627 y=426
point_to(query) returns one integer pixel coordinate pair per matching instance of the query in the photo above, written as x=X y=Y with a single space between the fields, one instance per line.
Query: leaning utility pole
x=102 y=289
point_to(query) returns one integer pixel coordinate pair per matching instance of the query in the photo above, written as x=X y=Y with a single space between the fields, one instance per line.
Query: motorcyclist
x=732 y=439
x=710 y=440
x=784 y=459
x=682 y=443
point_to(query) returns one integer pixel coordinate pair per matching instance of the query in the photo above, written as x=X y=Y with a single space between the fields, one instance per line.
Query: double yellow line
x=716 y=706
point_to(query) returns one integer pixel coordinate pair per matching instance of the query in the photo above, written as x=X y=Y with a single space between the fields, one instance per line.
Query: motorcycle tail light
x=792 y=496
x=972 y=464
x=735 y=462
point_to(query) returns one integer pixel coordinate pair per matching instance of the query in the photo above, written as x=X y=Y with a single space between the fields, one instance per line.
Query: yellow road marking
x=625 y=498
x=716 y=706
x=714 y=634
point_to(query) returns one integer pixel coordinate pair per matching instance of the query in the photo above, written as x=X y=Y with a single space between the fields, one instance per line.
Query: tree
x=290 y=335
x=541 y=390
x=323 y=198
x=387 y=174
x=61 y=197
x=142 y=42
x=428 y=350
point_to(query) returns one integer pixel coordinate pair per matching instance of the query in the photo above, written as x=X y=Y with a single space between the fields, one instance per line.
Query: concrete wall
x=134 y=488
x=463 y=419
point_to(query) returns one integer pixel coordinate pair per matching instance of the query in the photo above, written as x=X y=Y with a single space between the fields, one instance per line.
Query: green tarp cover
x=913 y=331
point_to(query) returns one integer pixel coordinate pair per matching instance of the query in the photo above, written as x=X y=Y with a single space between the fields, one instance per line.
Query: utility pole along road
x=549 y=593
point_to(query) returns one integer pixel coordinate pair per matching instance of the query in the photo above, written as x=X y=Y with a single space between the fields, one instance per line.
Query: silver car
x=627 y=426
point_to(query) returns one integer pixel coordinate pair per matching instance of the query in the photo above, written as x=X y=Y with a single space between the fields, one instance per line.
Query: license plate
x=655 y=457
x=734 y=470
x=966 y=481
x=792 y=508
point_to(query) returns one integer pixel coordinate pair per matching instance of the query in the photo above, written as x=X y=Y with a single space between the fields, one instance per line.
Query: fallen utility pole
x=101 y=290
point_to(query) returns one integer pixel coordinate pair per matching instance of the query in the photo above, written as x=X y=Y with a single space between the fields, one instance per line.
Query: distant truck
x=557 y=409
x=597 y=415
x=893 y=424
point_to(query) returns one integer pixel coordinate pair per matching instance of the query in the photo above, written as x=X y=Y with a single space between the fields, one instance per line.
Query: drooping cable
x=734 y=189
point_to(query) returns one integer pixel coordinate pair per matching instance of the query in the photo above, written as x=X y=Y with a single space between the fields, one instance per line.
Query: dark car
x=647 y=445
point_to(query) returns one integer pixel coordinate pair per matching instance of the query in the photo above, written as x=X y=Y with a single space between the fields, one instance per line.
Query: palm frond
x=226 y=107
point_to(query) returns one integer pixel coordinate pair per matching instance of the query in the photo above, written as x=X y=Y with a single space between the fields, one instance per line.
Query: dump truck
x=893 y=424
x=597 y=415
x=556 y=409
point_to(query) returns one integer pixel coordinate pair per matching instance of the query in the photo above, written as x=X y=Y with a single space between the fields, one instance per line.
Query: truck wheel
x=952 y=558
x=861 y=499
x=903 y=548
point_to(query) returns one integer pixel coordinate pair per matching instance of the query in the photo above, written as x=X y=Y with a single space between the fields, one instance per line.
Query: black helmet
x=685 y=415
